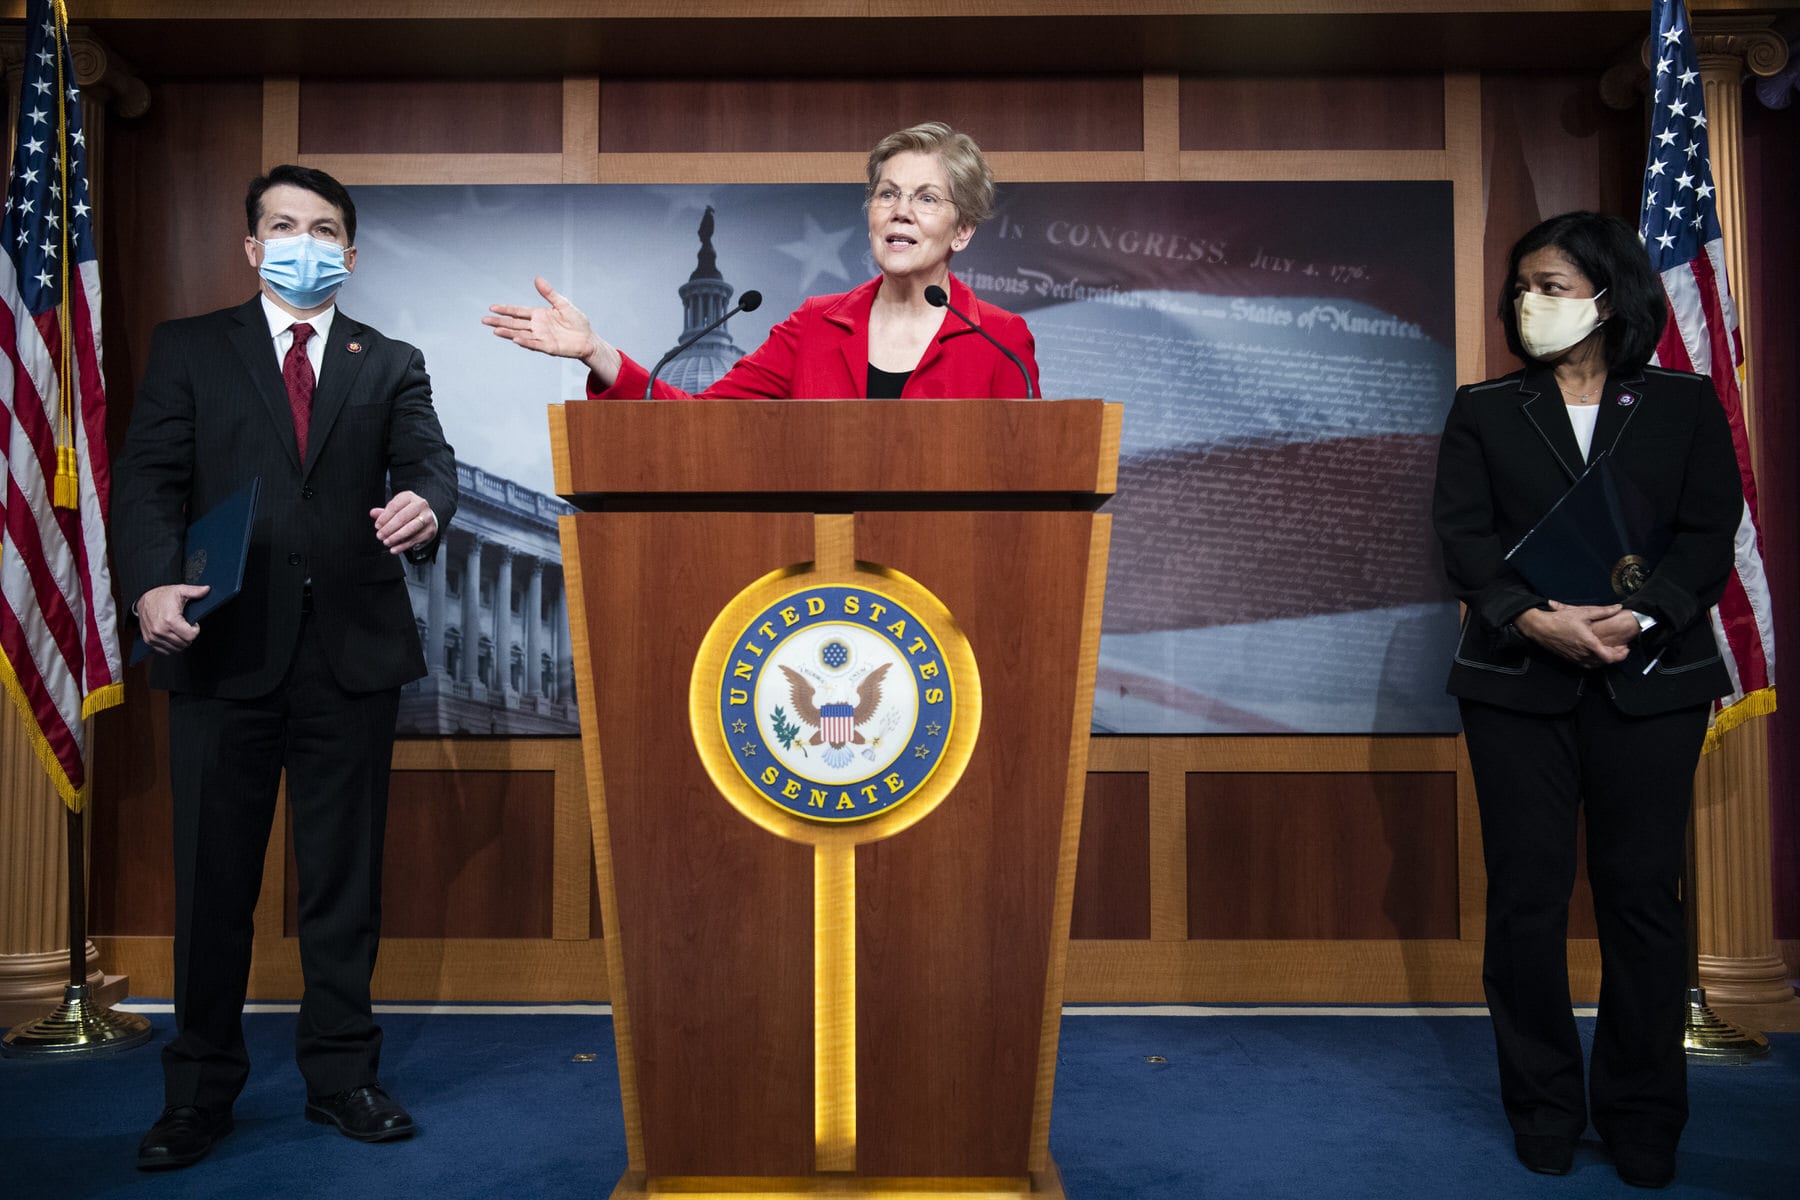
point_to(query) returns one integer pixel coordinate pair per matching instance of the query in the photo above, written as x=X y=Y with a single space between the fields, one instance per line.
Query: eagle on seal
x=833 y=715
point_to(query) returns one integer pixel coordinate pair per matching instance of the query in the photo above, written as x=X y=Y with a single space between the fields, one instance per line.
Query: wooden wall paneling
x=575 y=915
x=1333 y=112
x=1300 y=971
x=469 y=855
x=1299 y=165
x=525 y=971
x=1168 y=842
x=1470 y=870
x=370 y=169
x=173 y=246
x=431 y=116
x=1325 y=856
x=131 y=864
x=581 y=129
x=798 y=167
x=281 y=121
x=1162 y=125
x=1462 y=147
x=175 y=234
x=777 y=116
x=1549 y=146
x=1112 y=880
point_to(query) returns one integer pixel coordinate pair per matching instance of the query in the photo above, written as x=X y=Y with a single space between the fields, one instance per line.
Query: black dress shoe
x=1644 y=1164
x=1545 y=1153
x=365 y=1113
x=181 y=1137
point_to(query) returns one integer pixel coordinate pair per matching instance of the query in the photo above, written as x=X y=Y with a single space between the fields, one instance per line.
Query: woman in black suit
x=1601 y=708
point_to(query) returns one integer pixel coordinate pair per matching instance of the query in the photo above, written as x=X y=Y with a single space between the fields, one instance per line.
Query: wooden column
x=1739 y=960
x=34 y=839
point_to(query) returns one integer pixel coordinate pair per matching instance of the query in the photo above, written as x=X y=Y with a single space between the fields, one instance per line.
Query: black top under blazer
x=1508 y=454
x=212 y=411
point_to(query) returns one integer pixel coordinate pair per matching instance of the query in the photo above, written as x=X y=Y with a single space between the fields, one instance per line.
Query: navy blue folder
x=1596 y=545
x=217 y=545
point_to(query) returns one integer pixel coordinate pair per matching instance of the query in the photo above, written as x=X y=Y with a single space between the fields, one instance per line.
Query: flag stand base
x=78 y=1026
x=1714 y=1039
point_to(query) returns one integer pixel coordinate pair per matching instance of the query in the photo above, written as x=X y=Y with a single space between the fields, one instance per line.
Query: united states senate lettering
x=836 y=702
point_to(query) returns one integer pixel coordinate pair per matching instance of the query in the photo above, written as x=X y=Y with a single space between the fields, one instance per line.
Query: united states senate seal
x=834 y=702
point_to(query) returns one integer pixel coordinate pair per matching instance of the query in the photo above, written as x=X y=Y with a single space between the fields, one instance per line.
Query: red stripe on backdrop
x=1111 y=682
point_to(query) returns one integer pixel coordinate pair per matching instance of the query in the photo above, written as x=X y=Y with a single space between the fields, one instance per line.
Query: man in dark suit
x=301 y=671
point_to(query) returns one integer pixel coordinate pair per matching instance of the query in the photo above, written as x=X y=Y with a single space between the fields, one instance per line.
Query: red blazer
x=821 y=352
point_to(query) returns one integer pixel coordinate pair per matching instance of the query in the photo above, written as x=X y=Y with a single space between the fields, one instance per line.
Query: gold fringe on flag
x=68 y=482
x=1759 y=703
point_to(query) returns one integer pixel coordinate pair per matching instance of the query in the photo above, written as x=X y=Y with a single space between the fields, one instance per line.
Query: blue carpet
x=1239 y=1106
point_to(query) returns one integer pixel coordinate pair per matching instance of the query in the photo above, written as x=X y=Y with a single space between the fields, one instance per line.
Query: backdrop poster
x=1284 y=352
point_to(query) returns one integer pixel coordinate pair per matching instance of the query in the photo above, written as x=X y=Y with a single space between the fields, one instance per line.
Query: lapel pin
x=353 y=347
x=1626 y=399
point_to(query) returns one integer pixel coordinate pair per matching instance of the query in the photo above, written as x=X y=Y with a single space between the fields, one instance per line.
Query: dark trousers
x=226 y=760
x=1633 y=779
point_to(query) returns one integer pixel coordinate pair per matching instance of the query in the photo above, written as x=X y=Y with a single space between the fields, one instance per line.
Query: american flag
x=59 y=648
x=1680 y=229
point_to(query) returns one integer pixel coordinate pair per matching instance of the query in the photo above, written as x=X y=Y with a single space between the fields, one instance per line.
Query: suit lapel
x=851 y=314
x=338 y=373
x=1618 y=404
x=1541 y=405
x=250 y=338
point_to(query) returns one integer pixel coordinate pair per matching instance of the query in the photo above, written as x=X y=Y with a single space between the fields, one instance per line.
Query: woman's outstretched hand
x=560 y=329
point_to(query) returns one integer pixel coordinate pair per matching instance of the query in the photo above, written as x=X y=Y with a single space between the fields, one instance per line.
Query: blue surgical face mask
x=303 y=270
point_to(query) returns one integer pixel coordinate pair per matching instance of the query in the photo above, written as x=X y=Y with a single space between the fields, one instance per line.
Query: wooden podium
x=826 y=982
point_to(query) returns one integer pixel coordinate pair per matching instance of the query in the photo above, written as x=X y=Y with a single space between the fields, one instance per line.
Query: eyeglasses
x=924 y=201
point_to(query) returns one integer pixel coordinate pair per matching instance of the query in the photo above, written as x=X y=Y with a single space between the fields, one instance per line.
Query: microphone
x=749 y=302
x=934 y=296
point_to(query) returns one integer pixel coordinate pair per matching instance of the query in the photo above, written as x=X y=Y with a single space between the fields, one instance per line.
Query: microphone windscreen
x=750 y=301
x=934 y=296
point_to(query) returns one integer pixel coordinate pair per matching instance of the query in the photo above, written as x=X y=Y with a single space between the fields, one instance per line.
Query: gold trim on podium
x=1039 y=1185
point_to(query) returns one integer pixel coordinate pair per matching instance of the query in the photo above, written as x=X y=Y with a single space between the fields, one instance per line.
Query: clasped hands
x=404 y=522
x=1589 y=635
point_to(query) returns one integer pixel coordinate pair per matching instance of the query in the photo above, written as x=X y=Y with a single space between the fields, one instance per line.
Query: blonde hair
x=971 y=183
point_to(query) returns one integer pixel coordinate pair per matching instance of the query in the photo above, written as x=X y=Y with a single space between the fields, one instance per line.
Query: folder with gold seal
x=213 y=554
x=1596 y=545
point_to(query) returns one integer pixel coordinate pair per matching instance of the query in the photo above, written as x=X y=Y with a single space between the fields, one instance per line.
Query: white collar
x=281 y=320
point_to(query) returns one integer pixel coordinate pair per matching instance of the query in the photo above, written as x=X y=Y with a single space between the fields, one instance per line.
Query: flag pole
x=79 y=1025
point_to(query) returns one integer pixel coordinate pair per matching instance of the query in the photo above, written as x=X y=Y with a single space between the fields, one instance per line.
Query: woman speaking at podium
x=914 y=331
x=1577 y=706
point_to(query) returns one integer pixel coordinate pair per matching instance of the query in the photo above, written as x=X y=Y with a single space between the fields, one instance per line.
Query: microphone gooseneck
x=748 y=302
x=935 y=296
